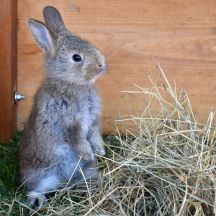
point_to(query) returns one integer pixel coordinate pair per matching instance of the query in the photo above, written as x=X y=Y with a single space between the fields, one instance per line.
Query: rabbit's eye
x=77 y=58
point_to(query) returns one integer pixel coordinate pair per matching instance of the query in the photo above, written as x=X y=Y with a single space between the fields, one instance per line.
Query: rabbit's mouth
x=98 y=73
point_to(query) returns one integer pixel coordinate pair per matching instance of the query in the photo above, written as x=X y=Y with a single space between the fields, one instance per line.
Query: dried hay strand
x=165 y=165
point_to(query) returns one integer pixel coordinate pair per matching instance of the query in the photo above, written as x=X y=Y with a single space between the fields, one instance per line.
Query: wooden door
x=180 y=34
x=8 y=29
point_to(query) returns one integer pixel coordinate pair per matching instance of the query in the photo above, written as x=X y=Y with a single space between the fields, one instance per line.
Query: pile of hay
x=165 y=165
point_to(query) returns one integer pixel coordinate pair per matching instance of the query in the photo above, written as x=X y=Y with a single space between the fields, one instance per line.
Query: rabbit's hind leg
x=36 y=197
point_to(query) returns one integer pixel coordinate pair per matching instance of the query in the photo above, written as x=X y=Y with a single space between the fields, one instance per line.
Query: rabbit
x=62 y=135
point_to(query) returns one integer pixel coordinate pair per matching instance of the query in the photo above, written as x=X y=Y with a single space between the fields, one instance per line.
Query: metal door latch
x=18 y=97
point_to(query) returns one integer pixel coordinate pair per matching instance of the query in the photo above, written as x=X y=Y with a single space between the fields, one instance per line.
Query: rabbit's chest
x=84 y=110
x=87 y=113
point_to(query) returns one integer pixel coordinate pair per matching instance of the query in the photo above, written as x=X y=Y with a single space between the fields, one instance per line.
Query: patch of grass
x=9 y=164
x=9 y=180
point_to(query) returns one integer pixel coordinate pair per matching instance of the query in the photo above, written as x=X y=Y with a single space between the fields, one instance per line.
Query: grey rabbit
x=62 y=134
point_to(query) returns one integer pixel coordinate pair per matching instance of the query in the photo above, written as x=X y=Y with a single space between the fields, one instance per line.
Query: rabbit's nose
x=101 y=68
x=99 y=65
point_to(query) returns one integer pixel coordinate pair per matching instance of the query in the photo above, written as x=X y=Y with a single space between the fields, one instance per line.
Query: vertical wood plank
x=8 y=66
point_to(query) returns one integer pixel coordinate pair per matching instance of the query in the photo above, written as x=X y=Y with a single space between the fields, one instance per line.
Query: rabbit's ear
x=42 y=36
x=53 y=19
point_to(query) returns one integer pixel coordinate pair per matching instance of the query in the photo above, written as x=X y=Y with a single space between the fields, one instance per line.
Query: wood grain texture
x=8 y=29
x=180 y=34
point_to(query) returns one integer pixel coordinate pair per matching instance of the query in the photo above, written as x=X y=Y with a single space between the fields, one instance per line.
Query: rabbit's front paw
x=100 y=150
x=97 y=144
x=85 y=151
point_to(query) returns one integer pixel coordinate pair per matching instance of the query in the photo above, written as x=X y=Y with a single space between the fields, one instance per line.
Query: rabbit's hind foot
x=36 y=200
x=37 y=197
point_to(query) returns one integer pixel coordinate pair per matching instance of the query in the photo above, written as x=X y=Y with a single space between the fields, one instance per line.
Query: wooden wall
x=180 y=34
x=8 y=71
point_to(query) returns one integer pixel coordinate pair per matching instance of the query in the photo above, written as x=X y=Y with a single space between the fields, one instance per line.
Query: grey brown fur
x=62 y=134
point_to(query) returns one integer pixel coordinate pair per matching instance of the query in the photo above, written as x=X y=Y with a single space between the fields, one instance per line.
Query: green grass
x=9 y=165
x=9 y=179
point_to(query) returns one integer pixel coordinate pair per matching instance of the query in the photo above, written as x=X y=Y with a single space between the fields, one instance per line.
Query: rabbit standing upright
x=62 y=135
